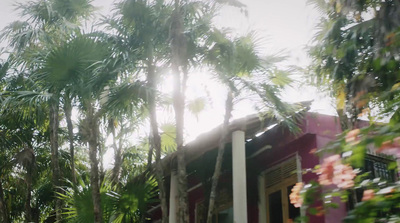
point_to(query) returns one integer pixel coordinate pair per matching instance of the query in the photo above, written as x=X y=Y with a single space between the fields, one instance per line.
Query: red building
x=262 y=162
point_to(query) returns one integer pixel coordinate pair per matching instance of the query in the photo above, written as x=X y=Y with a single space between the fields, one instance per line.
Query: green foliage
x=355 y=55
x=132 y=202
x=123 y=204
x=101 y=76
x=168 y=135
x=238 y=64
x=80 y=204
x=66 y=64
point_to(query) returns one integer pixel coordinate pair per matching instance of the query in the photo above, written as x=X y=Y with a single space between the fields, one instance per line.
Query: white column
x=239 y=177
x=262 y=203
x=173 y=193
x=298 y=168
x=300 y=179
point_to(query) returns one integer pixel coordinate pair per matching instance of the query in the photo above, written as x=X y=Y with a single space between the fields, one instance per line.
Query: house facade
x=262 y=162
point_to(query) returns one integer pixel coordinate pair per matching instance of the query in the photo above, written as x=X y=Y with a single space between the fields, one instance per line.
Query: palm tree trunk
x=117 y=154
x=3 y=205
x=150 y=157
x=94 y=163
x=155 y=140
x=68 y=115
x=28 y=198
x=179 y=102
x=178 y=49
x=221 y=149
x=101 y=148
x=54 y=124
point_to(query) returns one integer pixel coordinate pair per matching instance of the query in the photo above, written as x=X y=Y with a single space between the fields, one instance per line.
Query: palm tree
x=48 y=23
x=85 y=74
x=190 y=25
x=98 y=89
x=22 y=127
x=122 y=103
x=179 y=59
x=26 y=158
x=77 y=66
x=143 y=26
x=67 y=102
x=238 y=65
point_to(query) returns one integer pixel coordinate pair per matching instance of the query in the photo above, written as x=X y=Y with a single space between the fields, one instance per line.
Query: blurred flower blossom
x=295 y=197
x=332 y=171
x=343 y=176
x=352 y=137
x=326 y=170
x=368 y=195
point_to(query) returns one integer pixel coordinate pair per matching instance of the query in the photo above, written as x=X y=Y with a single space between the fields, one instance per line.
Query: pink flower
x=352 y=137
x=368 y=195
x=327 y=169
x=332 y=171
x=295 y=197
x=343 y=176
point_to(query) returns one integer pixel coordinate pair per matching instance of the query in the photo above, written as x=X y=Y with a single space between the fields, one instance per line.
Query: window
x=279 y=181
x=378 y=167
x=279 y=208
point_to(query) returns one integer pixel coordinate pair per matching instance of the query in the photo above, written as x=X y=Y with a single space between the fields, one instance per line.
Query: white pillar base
x=262 y=203
x=239 y=177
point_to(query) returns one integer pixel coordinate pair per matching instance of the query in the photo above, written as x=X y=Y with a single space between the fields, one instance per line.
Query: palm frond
x=126 y=97
x=25 y=105
x=320 y=5
x=20 y=34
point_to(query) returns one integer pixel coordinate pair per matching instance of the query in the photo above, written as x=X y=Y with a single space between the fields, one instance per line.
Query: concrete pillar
x=239 y=177
x=300 y=179
x=173 y=193
x=262 y=203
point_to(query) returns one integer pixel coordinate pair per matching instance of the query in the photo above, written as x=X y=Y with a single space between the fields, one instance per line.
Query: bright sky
x=283 y=25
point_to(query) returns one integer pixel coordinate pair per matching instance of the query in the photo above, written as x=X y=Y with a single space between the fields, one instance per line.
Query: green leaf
x=168 y=134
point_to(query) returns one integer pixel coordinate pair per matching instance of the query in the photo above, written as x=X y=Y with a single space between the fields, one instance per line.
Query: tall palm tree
x=85 y=76
x=48 y=23
x=239 y=66
x=100 y=94
x=26 y=158
x=22 y=126
x=77 y=66
x=143 y=25
x=67 y=107
x=179 y=60
x=190 y=26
